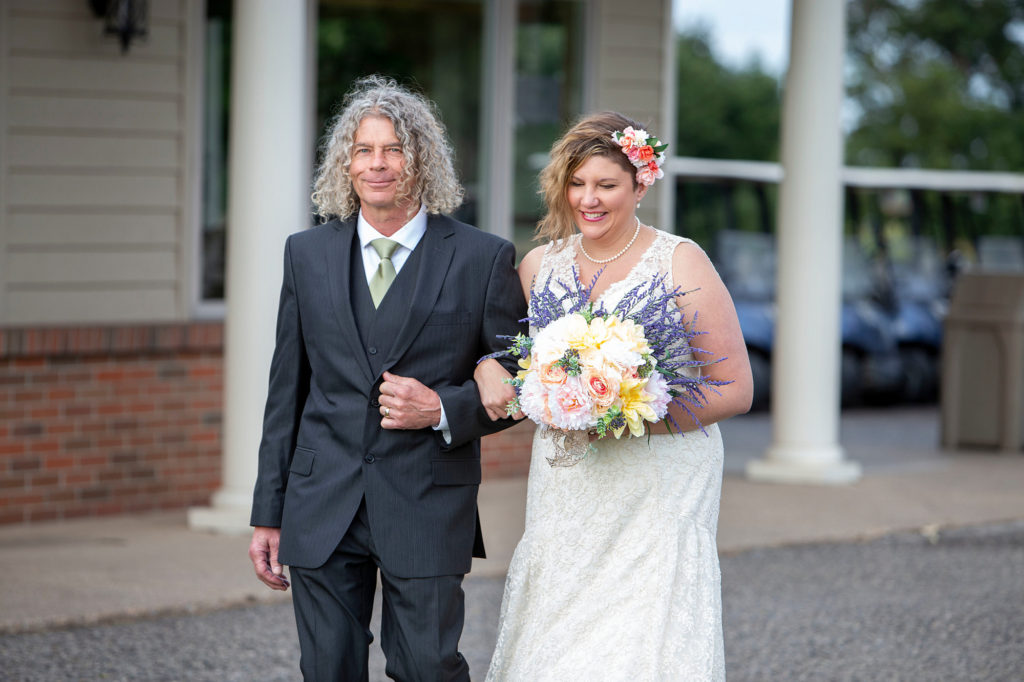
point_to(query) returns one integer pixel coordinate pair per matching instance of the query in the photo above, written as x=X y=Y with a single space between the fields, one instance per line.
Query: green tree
x=940 y=84
x=724 y=113
x=937 y=84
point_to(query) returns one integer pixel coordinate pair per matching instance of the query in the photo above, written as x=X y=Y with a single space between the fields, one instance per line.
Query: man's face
x=376 y=164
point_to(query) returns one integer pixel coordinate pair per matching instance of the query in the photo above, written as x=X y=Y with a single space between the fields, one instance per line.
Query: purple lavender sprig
x=546 y=306
x=519 y=342
x=671 y=338
x=652 y=305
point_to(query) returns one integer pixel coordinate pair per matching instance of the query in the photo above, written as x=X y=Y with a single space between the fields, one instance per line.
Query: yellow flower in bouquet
x=636 y=405
x=524 y=364
x=587 y=369
x=598 y=332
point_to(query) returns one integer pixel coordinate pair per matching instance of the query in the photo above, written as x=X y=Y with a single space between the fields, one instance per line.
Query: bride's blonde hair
x=590 y=136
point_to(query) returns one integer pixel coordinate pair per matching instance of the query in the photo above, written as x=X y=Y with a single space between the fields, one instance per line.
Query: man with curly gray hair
x=370 y=457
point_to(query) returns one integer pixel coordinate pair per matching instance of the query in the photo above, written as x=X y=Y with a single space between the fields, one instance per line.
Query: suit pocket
x=302 y=461
x=456 y=471
x=457 y=317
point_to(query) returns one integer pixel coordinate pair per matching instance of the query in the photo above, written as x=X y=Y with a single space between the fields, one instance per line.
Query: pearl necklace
x=602 y=261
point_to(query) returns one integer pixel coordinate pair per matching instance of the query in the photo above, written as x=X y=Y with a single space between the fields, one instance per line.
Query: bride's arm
x=716 y=315
x=489 y=374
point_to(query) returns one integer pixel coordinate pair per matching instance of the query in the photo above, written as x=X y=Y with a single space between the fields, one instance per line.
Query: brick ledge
x=40 y=341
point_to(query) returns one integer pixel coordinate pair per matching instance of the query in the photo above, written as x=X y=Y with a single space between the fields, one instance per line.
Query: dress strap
x=668 y=248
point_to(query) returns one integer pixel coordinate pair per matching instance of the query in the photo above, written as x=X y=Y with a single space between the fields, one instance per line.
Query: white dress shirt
x=407 y=237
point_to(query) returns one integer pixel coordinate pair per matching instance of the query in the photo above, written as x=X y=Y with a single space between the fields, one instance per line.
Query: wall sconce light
x=126 y=19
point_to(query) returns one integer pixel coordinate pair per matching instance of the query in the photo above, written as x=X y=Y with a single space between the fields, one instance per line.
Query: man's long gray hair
x=428 y=174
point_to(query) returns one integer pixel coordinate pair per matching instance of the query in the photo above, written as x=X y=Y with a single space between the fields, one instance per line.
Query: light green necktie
x=385 y=274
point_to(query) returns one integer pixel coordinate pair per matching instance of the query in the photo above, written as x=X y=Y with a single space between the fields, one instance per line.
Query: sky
x=741 y=28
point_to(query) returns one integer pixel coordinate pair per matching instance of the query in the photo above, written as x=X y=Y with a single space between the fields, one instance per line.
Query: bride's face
x=603 y=199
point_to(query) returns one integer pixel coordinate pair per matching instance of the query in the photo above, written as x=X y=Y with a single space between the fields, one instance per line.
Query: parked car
x=921 y=285
x=871 y=366
x=746 y=263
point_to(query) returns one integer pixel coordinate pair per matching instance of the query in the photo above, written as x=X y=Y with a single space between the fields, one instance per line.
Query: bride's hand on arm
x=489 y=375
x=495 y=394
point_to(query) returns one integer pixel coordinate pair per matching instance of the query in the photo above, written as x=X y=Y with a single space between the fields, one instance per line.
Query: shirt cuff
x=442 y=425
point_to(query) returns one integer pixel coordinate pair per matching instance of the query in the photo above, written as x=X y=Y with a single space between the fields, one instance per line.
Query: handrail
x=853 y=176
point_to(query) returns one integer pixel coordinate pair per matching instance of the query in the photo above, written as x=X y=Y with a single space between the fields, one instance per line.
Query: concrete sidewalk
x=98 y=570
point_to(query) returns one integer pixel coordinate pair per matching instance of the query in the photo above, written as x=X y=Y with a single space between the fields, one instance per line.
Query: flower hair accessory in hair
x=644 y=151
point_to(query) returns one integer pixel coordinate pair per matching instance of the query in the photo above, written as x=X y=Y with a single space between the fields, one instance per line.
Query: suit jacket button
x=369 y=459
x=374 y=403
x=372 y=350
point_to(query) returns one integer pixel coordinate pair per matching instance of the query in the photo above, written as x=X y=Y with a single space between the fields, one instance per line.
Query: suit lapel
x=339 y=256
x=435 y=260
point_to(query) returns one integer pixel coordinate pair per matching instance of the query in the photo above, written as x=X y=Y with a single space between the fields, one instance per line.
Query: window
x=549 y=87
x=435 y=47
x=216 y=99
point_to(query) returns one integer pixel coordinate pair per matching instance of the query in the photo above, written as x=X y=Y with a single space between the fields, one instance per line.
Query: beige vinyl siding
x=30 y=229
x=55 y=268
x=629 y=55
x=52 y=32
x=96 y=114
x=105 y=303
x=63 y=153
x=95 y=178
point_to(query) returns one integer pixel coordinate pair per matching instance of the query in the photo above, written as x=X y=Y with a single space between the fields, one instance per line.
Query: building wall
x=628 y=45
x=629 y=60
x=110 y=396
x=96 y=146
x=507 y=453
x=108 y=419
x=98 y=420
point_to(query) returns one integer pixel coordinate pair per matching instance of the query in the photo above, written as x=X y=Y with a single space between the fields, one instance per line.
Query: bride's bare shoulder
x=688 y=252
x=530 y=266
x=531 y=261
x=692 y=266
x=534 y=256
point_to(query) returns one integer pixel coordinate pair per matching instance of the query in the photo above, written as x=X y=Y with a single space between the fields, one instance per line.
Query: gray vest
x=378 y=327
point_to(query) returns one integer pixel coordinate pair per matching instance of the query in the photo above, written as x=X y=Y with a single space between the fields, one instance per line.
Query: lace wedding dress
x=617 y=576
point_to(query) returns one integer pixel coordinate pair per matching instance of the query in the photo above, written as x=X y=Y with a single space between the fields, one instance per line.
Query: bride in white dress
x=616 y=576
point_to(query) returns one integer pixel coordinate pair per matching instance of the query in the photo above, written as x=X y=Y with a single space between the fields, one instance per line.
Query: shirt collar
x=408 y=236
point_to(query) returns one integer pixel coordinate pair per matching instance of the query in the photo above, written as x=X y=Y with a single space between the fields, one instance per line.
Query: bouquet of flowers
x=588 y=370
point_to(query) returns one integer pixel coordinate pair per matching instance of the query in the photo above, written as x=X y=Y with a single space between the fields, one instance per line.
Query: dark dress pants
x=421 y=618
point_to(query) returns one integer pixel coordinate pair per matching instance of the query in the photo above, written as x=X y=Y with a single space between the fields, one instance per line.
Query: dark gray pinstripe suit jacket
x=322 y=420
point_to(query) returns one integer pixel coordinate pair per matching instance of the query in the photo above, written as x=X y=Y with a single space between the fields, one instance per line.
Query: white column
x=269 y=178
x=806 y=354
x=497 y=134
x=666 y=193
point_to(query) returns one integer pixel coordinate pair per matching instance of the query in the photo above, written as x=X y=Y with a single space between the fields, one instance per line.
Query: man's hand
x=263 y=552
x=405 y=403
x=495 y=394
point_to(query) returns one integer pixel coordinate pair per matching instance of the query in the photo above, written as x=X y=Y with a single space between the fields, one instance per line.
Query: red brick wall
x=507 y=453
x=108 y=420
x=113 y=420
